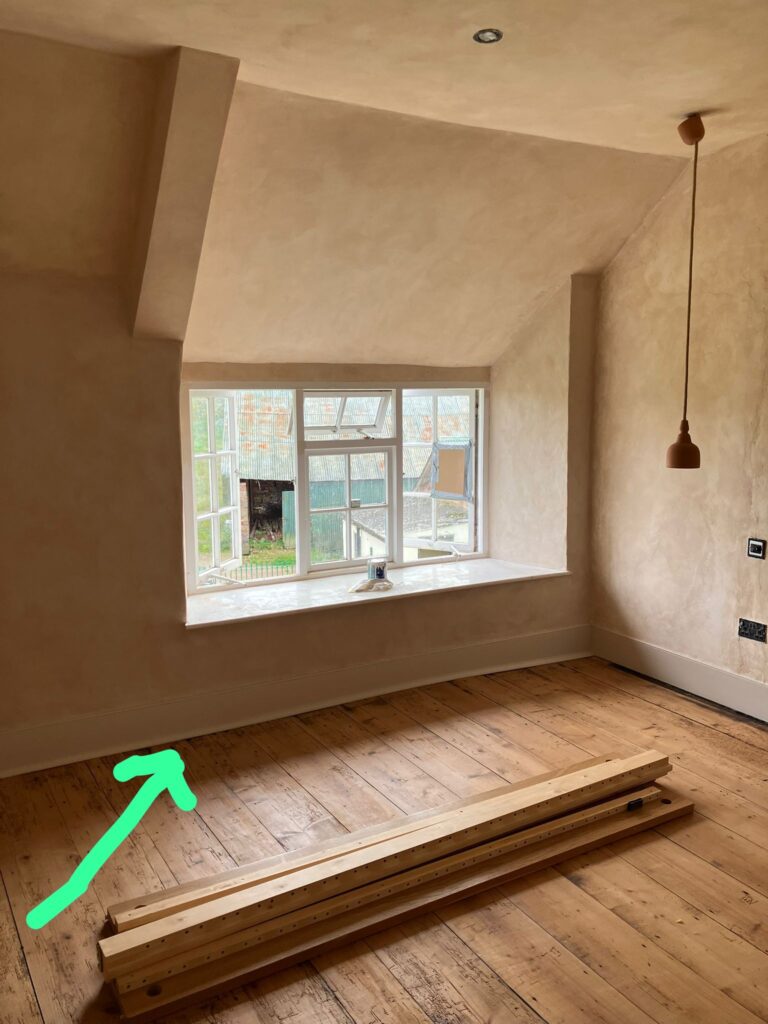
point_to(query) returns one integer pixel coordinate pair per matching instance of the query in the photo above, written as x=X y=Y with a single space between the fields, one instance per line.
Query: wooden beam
x=367 y=895
x=246 y=965
x=143 y=909
x=467 y=826
x=194 y=95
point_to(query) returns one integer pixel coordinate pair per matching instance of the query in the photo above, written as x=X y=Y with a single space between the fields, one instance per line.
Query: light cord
x=690 y=281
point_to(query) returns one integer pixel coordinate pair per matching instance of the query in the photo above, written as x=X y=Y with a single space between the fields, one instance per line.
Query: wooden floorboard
x=667 y=927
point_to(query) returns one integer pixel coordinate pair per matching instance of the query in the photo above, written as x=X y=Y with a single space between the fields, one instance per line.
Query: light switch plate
x=756 y=547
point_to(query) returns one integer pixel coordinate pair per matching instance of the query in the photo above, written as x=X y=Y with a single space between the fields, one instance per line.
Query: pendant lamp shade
x=684 y=454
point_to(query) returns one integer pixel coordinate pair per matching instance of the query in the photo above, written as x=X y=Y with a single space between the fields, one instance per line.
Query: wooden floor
x=669 y=926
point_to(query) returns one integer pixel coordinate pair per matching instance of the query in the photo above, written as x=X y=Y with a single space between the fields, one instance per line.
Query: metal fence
x=259 y=571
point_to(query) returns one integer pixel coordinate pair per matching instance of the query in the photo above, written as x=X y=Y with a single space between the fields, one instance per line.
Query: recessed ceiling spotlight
x=488 y=35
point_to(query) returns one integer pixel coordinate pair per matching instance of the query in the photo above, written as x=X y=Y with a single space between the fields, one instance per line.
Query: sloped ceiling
x=341 y=234
x=606 y=72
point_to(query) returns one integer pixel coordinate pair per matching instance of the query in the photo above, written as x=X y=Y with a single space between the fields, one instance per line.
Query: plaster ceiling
x=608 y=72
x=343 y=235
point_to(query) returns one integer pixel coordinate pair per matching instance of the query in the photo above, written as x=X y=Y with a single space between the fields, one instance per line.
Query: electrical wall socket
x=753 y=630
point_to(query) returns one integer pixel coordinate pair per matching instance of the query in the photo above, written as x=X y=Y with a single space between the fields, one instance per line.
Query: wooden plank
x=327 y=935
x=229 y=818
x=579 y=698
x=685 y=705
x=141 y=910
x=150 y=907
x=730 y=853
x=408 y=787
x=462 y=774
x=469 y=825
x=655 y=982
x=350 y=799
x=712 y=799
x=704 y=751
x=505 y=723
x=298 y=995
x=366 y=989
x=293 y=816
x=709 y=949
x=543 y=971
x=37 y=855
x=367 y=895
x=736 y=906
x=90 y=814
x=451 y=983
x=522 y=691
x=18 y=1004
x=496 y=753
x=185 y=842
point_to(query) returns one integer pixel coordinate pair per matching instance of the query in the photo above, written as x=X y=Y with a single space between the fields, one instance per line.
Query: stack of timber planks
x=183 y=944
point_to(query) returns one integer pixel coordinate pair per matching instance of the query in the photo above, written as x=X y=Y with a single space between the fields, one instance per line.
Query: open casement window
x=215 y=485
x=440 y=472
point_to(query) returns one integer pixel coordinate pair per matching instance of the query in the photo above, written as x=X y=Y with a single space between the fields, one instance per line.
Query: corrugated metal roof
x=265 y=448
x=266 y=451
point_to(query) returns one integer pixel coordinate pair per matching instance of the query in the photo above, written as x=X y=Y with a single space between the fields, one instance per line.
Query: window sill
x=238 y=605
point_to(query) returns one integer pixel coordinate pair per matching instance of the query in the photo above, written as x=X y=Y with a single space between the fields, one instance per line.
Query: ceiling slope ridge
x=483 y=131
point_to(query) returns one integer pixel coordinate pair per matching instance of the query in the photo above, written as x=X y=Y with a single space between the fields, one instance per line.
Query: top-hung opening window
x=347 y=415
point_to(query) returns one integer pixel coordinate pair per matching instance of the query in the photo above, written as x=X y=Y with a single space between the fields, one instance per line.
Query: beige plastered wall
x=540 y=434
x=74 y=125
x=93 y=600
x=94 y=619
x=669 y=547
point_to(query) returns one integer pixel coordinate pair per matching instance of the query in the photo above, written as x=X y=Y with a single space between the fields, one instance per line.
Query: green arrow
x=165 y=770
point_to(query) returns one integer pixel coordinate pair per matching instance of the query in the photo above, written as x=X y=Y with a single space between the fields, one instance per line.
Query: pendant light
x=684 y=454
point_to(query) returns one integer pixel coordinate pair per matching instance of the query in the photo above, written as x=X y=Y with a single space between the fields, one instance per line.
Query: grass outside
x=268 y=551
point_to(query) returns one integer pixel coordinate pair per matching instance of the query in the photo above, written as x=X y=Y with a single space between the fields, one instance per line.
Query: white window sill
x=238 y=605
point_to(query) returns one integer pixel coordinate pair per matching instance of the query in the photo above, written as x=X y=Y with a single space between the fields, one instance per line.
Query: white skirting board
x=741 y=693
x=110 y=732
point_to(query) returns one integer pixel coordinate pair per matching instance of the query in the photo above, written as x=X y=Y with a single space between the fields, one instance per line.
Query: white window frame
x=393 y=446
x=384 y=396
x=192 y=517
x=475 y=517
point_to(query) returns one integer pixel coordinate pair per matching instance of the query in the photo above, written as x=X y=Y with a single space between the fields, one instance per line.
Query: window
x=214 y=474
x=283 y=482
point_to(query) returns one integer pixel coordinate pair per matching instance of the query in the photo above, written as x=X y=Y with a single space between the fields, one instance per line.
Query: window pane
x=202 y=485
x=225 y=480
x=453 y=521
x=221 y=423
x=417 y=517
x=327 y=481
x=417 y=418
x=321 y=411
x=328 y=536
x=265 y=426
x=454 y=418
x=361 y=411
x=416 y=458
x=266 y=470
x=369 y=532
x=204 y=545
x=200 y=439
x=368 y=482
x=359 y=416
x=227 y=536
